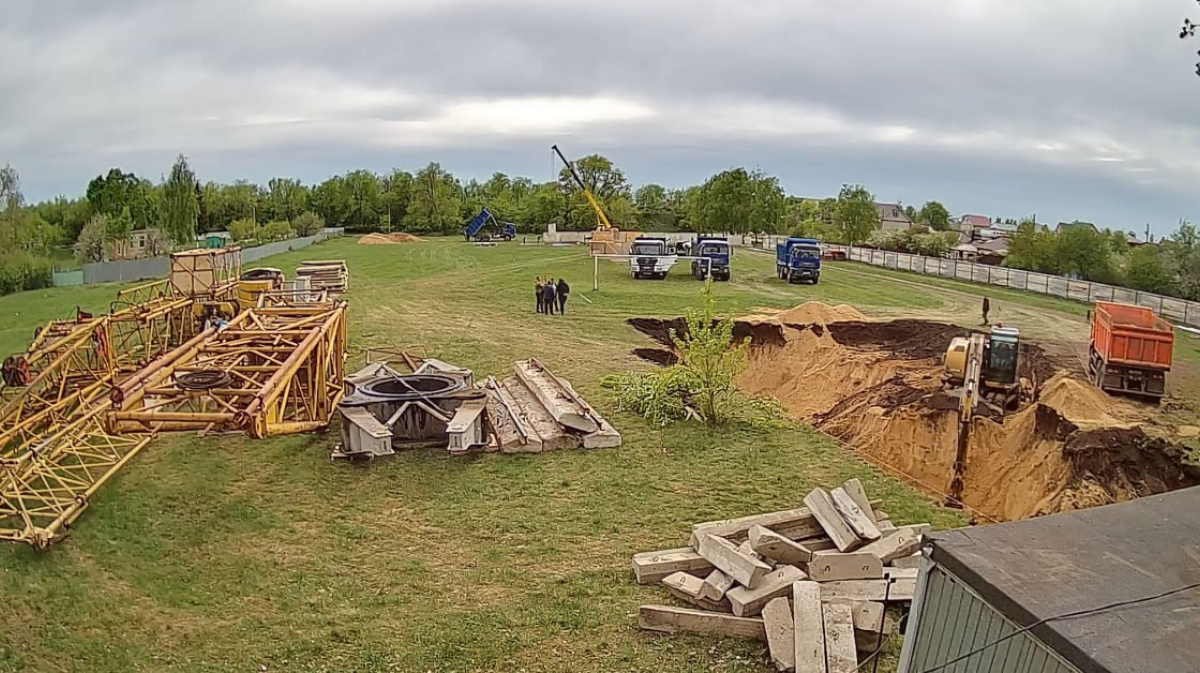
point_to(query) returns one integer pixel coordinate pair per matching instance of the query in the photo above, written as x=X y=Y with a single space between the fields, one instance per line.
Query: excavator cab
x=1000 y=369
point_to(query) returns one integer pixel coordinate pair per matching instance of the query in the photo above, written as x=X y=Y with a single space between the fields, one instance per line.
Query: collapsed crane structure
x=88 y=394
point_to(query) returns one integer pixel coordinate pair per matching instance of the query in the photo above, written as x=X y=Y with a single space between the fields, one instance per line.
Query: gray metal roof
x=1034 y=569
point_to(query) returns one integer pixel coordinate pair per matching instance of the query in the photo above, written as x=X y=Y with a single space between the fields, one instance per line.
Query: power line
x=1057 y=618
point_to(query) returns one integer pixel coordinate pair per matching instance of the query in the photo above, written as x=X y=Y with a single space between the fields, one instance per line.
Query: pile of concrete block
x=813 y=582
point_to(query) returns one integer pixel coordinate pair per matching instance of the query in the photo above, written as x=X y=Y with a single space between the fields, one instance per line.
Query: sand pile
x=818 y=313
x=872 y=384
x=389 y=239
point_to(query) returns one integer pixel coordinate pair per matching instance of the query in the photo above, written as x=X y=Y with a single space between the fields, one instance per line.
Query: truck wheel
x=816 y=279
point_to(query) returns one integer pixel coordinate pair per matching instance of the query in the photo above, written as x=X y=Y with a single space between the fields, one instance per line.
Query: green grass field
x=241 y=555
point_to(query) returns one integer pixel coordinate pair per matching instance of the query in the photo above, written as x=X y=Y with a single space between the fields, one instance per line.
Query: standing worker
x=563 y=291
x=541 y=306
x=548 y=296
x=987 y=306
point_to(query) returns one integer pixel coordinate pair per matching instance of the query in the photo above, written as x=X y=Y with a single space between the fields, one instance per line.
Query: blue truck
x=799 y=259
x=716 y=251
x=474 y=228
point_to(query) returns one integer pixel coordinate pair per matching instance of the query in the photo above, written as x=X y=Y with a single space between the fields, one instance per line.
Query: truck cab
x=650 y=258
x=799 y=259
x=717 y=251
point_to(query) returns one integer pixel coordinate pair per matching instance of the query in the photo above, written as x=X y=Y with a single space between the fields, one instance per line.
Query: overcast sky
x=1064 y=108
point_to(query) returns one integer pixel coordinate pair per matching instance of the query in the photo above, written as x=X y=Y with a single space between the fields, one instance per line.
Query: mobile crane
x=602 y=221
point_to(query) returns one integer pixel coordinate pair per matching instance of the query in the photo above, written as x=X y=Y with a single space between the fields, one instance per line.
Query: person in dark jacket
x=987 y=307
x=548 y=296
x=563 y=291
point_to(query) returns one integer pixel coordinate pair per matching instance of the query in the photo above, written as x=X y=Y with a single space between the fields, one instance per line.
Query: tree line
x=432 y=200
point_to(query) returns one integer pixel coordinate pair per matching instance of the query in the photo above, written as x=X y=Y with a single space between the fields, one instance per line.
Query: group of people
x=552 y=295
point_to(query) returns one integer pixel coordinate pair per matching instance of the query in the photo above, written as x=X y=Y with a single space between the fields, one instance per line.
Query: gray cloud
x=1066 y=108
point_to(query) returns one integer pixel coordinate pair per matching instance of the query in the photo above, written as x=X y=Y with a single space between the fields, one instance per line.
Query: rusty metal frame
x=280 y=370
x=100 y=388
x=45 y=487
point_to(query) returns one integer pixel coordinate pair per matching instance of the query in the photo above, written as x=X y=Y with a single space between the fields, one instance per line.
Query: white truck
x=651 y=258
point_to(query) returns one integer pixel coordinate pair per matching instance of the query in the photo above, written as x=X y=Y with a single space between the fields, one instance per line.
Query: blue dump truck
x=716 y=250
x=799 y=259
x=475 y=228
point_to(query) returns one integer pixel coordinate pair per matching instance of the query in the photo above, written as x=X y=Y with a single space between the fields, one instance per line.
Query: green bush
x=275 y=231
x=20 y=271
x=308 y=224
x=243 y=230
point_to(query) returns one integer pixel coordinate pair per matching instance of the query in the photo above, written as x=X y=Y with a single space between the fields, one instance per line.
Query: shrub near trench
x=701 y=385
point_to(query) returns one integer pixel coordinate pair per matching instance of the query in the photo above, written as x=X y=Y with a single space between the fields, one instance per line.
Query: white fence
x=1175 y=310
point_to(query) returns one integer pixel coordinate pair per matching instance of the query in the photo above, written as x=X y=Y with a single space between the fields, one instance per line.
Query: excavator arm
x=602 y=221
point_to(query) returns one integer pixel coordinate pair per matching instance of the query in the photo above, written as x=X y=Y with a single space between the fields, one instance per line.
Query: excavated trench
x=872 y=386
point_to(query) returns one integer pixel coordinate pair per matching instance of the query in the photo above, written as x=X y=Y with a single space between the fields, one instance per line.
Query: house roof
x=892 y=212
x=978 y=221
x=1064 y=226
x=995 y=246
x=1079 y=561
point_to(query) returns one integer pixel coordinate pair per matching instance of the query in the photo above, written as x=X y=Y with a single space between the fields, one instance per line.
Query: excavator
x=982 y=370
x=607 y=237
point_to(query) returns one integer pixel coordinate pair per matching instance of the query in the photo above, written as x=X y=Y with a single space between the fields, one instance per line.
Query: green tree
x=606 y=182
x=286 y=198
x=1146 y=269
x=653 y=212
x=1182 y=250
x=244 y=229
x=855 y=215
x=935 y=216
x=435 y=202
x=90 y=246
x=363 y=196
x=395 y=198
x=181 y=208
x=330 y=202
x=740 y=202
x=117 y=191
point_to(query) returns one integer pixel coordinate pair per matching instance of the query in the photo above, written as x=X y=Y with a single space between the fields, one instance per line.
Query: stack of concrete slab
x=534 y=410
x=814 y=582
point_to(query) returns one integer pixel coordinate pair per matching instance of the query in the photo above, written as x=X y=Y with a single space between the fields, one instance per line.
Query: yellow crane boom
x=602 y=221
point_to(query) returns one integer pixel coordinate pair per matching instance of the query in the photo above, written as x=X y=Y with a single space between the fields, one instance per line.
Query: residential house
x=1065 y=226
x=892 y=217
x=992 y=252
x=972 y=223
x=141 y=243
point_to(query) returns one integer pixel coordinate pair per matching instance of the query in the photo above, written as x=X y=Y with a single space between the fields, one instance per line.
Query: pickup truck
x=650 y=258
x=799 y=259
x=1131 y=350
x=717 y=251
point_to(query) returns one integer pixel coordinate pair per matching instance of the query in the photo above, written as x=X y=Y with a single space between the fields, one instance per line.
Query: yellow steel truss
x=269 y=371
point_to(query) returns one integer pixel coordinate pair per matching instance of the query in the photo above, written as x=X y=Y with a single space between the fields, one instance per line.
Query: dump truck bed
x=1132 y=336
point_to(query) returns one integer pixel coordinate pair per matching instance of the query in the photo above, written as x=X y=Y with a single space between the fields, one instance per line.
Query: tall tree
x=855 y=215
x=605 y=181
x=363 y=198
x=935 y=216
x=181 y=208
x=113 y=193
x=286 y=198
x=1146 y=269
x=1182 y=251
x=436 y=198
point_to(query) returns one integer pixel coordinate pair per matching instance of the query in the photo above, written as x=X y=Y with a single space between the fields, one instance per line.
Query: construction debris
x=436 y=402
x=329 y=275
x=812 y=582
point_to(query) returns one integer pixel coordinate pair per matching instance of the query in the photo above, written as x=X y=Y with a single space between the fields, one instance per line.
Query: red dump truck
x=1131 y=349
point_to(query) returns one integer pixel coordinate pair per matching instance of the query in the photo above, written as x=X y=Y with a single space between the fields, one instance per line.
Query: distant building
x=141 y=243
x=972 y=222
x=892 y=217
x=1067 y=226
x=992 y=252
